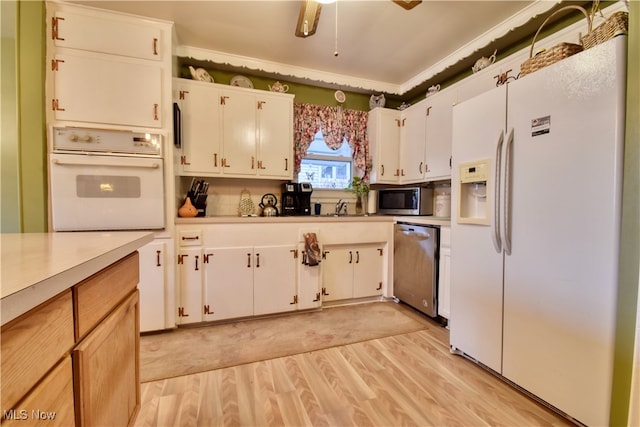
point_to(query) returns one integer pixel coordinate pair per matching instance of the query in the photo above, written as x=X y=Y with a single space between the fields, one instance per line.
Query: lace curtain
x=336 y=124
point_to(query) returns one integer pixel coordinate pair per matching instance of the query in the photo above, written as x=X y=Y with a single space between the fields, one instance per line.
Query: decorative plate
x=340 y=96
x=241 y=81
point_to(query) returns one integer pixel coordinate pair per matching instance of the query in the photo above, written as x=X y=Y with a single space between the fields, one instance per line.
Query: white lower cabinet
x=444 y=273
x=190 y=306
x=352 y=272
x=274 y=279
x=228 y=283
x=309 y=282
x=233 y=271
x=157 y=299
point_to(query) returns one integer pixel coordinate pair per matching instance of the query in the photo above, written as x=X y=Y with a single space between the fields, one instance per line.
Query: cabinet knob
x=155 y=45
x=158 y=259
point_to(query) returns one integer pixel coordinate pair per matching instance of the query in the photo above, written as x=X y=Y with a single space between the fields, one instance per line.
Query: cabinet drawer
x=32 y=344
x=190 y=238
x=96 y=296
x=105 y=364
x=50 y=403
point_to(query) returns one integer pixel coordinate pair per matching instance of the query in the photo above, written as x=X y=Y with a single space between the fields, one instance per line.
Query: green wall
x=24 y=181
x=305 y=94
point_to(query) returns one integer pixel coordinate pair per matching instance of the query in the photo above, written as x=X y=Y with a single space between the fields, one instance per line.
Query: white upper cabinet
x=112 y=34
x=199 y=104
x=383 y=130
x=234 y=132
x=275 y=135
x=412 y=146
x=106 y=90
x=438 y=135
x=107 y=68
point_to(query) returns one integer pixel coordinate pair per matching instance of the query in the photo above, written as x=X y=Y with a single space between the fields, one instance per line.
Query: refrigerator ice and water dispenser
x=475 y=186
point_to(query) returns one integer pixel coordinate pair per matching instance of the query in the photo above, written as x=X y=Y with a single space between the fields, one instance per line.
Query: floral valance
x=336 y=124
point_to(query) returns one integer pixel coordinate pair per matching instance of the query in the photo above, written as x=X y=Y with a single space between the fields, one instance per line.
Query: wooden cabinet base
x=49 y=404
x=106 y=369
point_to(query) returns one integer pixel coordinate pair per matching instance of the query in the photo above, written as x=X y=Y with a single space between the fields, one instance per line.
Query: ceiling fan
x=310 y=14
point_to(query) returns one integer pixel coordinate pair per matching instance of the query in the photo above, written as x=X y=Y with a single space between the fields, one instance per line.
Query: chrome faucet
x=341 y=206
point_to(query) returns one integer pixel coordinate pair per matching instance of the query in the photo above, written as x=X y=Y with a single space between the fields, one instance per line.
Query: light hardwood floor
x=403 y=380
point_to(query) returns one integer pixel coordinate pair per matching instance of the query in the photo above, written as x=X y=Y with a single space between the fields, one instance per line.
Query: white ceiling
x=382 y=47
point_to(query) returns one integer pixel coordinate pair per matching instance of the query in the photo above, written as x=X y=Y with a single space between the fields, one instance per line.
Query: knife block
x=199 y=202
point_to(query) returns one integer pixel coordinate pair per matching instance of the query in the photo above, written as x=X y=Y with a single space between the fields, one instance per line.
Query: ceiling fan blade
x=408 y=4
x=308 y=18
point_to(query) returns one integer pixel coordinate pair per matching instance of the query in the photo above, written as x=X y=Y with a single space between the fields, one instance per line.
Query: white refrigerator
x=536 y=194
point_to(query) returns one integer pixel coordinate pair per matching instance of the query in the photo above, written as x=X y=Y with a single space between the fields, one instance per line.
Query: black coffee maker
x=296 y=198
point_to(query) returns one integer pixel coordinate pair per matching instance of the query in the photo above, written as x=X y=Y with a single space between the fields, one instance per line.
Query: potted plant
x=360 y=187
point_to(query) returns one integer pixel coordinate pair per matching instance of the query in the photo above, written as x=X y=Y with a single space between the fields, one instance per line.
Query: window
x=325 y=168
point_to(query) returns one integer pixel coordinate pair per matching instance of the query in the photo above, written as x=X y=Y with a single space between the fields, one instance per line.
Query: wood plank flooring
x=404 y=380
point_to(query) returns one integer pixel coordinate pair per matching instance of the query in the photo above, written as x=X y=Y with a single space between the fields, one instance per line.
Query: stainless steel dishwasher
x=415 y=266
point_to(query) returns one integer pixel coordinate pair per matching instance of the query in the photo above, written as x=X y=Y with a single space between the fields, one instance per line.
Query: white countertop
x=37 y=266
x=427 y=220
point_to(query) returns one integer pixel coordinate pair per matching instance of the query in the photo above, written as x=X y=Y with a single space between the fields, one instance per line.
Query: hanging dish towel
x=312 y=249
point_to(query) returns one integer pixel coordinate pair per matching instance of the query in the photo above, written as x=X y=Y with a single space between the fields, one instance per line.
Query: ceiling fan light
x=326 y=1
x=308 y=18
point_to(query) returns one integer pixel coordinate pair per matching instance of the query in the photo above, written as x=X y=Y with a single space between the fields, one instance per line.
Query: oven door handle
x=86 y=163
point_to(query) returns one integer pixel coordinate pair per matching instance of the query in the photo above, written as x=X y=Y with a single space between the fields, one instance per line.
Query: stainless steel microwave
x=405 y=201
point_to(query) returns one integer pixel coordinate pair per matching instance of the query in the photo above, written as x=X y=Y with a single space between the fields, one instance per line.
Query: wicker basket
x=557 y=52
x=616 y=24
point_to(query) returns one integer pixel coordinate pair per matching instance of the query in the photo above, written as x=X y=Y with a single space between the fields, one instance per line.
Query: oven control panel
x=74 y=139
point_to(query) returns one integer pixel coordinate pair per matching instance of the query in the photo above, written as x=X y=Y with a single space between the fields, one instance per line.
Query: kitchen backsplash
x=224 y=195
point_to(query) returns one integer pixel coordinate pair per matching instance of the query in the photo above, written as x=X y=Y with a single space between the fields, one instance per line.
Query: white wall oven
x=106 y=180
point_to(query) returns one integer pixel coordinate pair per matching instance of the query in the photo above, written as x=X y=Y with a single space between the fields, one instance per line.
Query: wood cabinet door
x=228 y=283
x=111 y=90
x=274 y=279
x=337 y=272
x=49 y=404
x=412 y=146
x=190 y=307
x=105 y=363
x=384 y=139
x=368 y=271
x=239 y=111
x=275 y=136
x=201 y=132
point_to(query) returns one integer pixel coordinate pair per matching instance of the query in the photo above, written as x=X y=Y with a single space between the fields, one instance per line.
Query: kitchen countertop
x=427 y=220
x=38 y=266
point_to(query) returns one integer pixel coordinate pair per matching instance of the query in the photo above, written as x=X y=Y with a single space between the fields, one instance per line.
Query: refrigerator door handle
x=506 y=233
x=497 y=241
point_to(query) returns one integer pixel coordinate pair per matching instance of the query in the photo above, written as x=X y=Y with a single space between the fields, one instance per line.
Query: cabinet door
x=190 y=306
x=412 y=147
x=438 y=135
x=153 y=285
x=337 y=272
x=228 y=283
x=444 y=273
x=275 y=136
x=51 y=399
x=200 y=112
x=309 y=282
x=238 y=133
x=384 y=139
x=106 y=369
x=106 y=33
x=367 y=273
x=274 y=279
x=113 y=91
